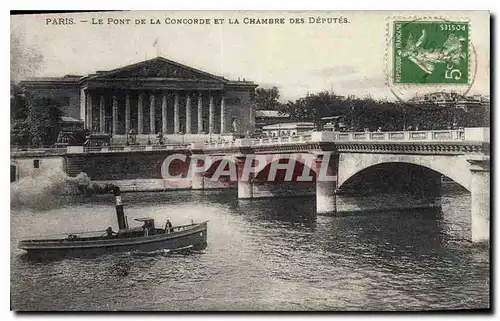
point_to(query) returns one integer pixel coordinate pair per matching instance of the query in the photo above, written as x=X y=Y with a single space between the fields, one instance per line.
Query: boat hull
x=194 y=238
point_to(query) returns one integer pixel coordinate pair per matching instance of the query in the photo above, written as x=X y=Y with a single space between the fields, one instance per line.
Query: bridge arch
x=455 y=167
x=303 y=171
x=223 y=165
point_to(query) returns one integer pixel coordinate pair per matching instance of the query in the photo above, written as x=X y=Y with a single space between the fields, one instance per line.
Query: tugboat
x=147 y=238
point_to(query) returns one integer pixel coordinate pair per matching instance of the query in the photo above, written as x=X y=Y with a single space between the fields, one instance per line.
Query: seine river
x=271 y=254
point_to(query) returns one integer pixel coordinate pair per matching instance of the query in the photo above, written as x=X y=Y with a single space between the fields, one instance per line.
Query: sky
x=346 y=58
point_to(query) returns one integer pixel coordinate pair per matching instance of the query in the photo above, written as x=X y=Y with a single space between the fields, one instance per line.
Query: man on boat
x=145 y=228
x=109 y=231
x=168 y=227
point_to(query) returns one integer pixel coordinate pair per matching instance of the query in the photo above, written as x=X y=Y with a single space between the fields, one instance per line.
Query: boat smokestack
x=120 y=215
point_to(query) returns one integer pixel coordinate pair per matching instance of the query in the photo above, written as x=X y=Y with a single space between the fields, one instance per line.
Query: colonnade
x=97 y=123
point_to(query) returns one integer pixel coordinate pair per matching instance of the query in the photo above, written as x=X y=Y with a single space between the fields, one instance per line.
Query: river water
x=267 y=254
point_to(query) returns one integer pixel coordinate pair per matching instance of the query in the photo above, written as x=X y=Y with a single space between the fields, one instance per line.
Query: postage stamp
x=430 y=52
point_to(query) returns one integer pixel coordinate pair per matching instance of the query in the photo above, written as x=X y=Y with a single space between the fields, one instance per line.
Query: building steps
x=74 y=166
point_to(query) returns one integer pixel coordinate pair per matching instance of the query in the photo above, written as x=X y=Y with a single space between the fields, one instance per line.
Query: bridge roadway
x=389 y=169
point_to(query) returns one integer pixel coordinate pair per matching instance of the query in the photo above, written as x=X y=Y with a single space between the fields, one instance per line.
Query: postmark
x=430 y=52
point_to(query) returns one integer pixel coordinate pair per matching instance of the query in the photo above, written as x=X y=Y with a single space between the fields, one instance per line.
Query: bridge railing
x=428 y=135
x=466 y=134
x=20 y=151
x=114 y=148
x=296 y=139
x=470 y=134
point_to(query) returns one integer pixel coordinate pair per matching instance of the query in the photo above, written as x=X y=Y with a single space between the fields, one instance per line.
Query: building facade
x=268 y=117
x=151 y=97
x=452 y=99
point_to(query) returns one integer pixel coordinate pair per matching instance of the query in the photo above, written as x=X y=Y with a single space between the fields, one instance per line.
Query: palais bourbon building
x=153 y=96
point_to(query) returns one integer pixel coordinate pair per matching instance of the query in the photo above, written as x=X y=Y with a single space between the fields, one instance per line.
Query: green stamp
x=430 y=52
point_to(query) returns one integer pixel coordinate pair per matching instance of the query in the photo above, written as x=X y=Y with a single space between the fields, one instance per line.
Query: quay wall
x=29 y=166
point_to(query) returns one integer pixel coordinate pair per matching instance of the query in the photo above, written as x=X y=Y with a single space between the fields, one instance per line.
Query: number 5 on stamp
x=430 y=52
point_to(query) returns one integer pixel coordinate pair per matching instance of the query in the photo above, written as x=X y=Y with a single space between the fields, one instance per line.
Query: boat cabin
x=147 y=228
x=148 y=222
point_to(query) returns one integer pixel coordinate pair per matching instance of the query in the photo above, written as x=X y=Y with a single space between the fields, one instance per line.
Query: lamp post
x=455 y=102
x=351 y=109
x=404 y=117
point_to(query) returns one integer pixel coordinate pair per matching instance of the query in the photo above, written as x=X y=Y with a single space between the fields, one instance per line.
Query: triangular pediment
x=158 y=68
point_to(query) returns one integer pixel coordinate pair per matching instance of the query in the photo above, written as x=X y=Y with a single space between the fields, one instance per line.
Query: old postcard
x=250 y=161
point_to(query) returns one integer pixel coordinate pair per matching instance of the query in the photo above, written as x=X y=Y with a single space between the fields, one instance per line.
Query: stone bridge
x=366 y=171
x=373 y=170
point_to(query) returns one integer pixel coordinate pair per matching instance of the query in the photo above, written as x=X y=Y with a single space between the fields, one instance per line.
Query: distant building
x=268 y=117
x=287 y=129
x=334 y=123
x=151 y=97
x=444 y=99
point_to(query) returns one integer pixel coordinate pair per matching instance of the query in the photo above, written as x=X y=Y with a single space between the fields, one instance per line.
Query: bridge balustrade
x=360 y=136
x=431 y=135
x=396 y=135
x=467 y=134
x=106 y=149
x=420 y=136
x=378 y=136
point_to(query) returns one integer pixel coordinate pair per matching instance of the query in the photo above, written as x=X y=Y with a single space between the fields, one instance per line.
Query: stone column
x=200 y=114
x=83 y=105
x=127 y=114
x=152 y=114
x=211 y=115
x=176 y=114
x=88 y=108
x=115 y=115
x=140 y=125
x=188 y=113
x=102 y=114
x=251 y=112
x=222 y=115
x=164 y=113
x=325 y=184
x=480 y=199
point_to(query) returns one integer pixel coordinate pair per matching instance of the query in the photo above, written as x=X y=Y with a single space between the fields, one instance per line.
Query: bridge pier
x=245 y=185
x=245 y=189
x=197 y=179
x=325 y=197
x=325 y=167
x=480 y=200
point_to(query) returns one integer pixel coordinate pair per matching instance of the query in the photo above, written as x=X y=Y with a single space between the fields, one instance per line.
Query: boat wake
x=165 y=252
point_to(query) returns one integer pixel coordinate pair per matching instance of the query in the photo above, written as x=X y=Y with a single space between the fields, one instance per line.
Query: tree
x=35 y=120
x=267 y=99
x=313 y=107
x=18 y=116
x=44 y=119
